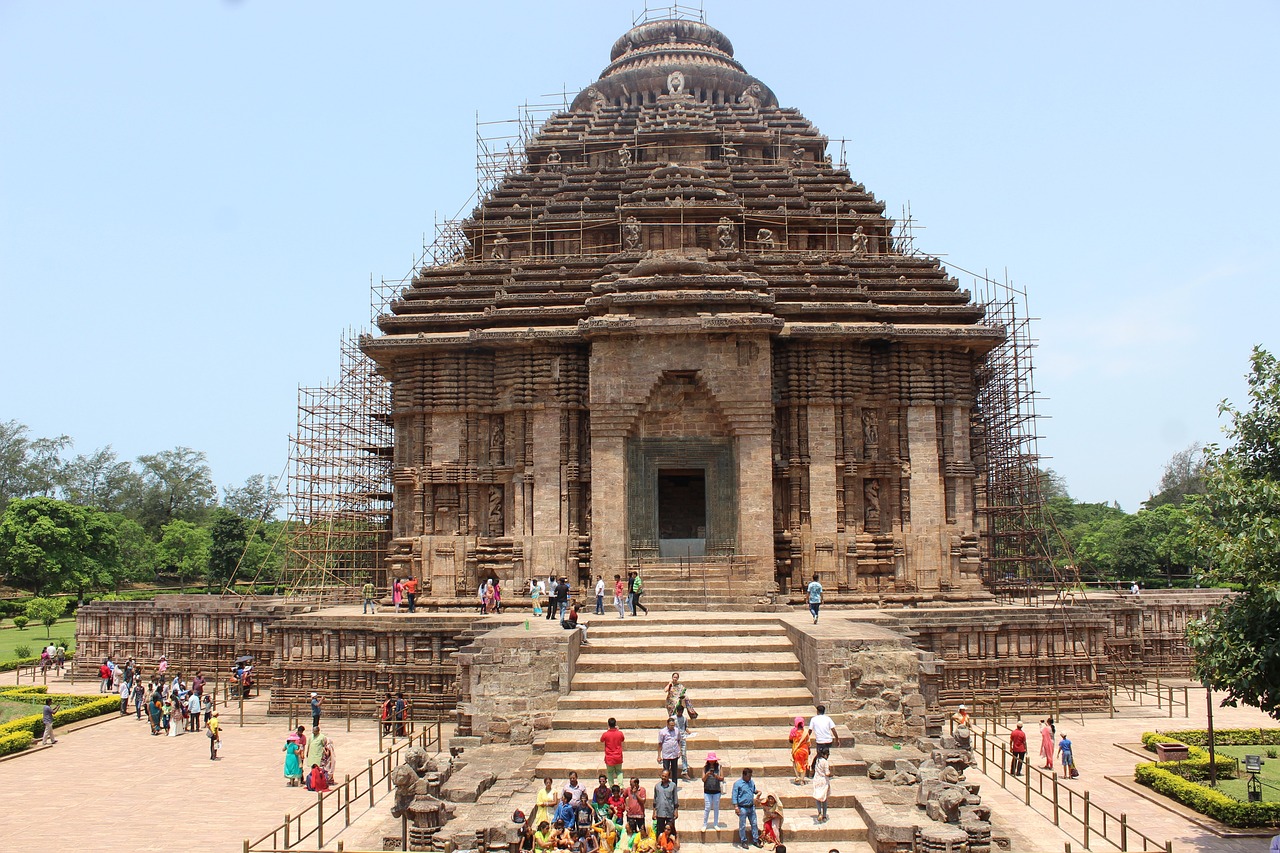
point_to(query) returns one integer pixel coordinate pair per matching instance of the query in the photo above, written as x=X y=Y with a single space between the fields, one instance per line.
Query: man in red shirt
x=411 y=591
x=612 y=740
x=1018 y=745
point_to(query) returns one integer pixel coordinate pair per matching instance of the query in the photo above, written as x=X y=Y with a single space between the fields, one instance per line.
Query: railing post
x=1170 y=702
x=1026 y=777
x=348 y=715
x=388 y=759
x=984 y=755
x=319 y=820
x=1004 y=760
x=1055 y=800
x=246 y=846
x=404 y=832
x=1157 y=690
x=1086 y=820
x=1124 y=832
x=287 y=820
x=370 y=783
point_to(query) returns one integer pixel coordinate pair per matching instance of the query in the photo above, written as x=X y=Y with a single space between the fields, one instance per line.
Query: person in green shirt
x=366 y=593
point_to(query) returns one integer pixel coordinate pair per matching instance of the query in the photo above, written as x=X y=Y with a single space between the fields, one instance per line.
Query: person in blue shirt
x=815 y=597
x=744 y=798
x=566 y=812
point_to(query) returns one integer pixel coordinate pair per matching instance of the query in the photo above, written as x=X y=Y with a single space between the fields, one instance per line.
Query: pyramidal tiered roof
x=678 y=173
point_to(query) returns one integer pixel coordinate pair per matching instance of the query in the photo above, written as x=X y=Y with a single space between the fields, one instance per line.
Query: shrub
x=1205 y=800
x=22 y=651
x=15 y=742
x=1221 y=737
x=14 y=663
x=21 y=622
x=34 y=724
x=1196 y=766
x=1273 y=753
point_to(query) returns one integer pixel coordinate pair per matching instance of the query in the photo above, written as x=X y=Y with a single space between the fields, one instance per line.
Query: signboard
x=1253 y=763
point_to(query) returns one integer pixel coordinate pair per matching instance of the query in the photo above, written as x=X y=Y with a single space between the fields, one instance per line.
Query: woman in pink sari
x=1046 y=744
x=395 y=593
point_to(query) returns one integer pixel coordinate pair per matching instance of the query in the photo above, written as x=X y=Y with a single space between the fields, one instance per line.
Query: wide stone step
x=798 y=828
x=763 y=762
x=699 y=682
x=690 y=658
x=785 y=690
x=610 y=629
x=702 y=737
x=612 y=645
x=655 y=717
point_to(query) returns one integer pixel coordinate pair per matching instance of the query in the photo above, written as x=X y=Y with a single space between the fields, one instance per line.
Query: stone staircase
x=707 y=585
x=744 y=680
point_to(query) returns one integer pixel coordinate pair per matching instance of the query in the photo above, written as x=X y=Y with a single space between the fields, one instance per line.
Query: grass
x=63 y=631
x=12 y=710
x=1270 y=775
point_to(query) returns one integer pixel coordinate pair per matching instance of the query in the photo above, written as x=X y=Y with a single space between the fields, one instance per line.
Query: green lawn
x=12 y=710
x=1270 y=775
x=64 y=631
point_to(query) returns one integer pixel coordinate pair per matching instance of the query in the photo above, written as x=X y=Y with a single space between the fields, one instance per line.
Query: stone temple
x=679 y=333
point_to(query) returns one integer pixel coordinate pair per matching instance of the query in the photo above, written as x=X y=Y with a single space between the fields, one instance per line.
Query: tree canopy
x=47 y=545
x=1235 y=527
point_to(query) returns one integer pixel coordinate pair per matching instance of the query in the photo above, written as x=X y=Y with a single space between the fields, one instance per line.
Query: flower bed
x=1180 y=780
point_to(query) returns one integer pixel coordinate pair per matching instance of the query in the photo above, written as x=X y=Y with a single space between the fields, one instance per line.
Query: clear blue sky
x=193 y=195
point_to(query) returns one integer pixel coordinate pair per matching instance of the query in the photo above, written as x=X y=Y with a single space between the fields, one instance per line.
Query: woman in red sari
x=799 y=739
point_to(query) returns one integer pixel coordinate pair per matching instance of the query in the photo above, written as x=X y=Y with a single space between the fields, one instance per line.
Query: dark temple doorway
x=682 y=512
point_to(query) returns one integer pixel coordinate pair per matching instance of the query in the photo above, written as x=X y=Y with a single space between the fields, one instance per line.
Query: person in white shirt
x=824 y=732
x=599 y=595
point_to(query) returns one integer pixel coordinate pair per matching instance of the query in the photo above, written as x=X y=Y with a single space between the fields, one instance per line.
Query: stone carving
x=764 y=237
x=871 y=505
x=497 y=439
x=598 y=101
x=497 y=523
x=730 y=153
x=631 y=234
x=624 y=155
x=727 y=234
x=501 y=249
x=797 y=156
x=417 y=783
x=675 y=83
x=554 y=158
x=752 y=96
x=870 y=428
x=859 y=242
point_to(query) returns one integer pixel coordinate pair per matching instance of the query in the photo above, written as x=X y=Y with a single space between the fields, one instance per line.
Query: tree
x=228 y=535
x=177 y=484
x=1235 y=528
x=184 y=548
x=138 y=552
x=13 y=461
x=45 y=465
x=50 y=545
x=1052 y=484
x=100 y=480
x=255 y=500
x=46 y=611
x=1183 y=476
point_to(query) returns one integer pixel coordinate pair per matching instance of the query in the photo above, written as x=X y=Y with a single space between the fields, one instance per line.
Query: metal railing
x=361 y=790
x=1041 y=791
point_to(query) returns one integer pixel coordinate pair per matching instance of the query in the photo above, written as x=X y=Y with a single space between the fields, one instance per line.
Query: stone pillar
x=926 y=552
x=822 y=488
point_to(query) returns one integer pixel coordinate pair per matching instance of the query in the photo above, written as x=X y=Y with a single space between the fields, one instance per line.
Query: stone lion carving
x=598 y=100
x=752 y=96
x=765 y=238
x=675 y=83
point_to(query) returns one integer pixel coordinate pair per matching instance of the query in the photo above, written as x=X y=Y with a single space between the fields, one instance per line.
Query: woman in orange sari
x=799 y=739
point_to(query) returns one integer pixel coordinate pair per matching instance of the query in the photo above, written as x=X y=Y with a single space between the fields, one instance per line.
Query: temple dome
x=644 y=58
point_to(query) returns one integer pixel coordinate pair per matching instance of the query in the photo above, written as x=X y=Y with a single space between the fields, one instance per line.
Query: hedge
x=1205 y=800
x=1222 y=737
x=15 y=742
x=14 y=663
x=1196 y=766
x=34 y=724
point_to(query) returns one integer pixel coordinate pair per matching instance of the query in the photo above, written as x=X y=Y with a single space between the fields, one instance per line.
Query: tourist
x=821 y=787
x=59 y=660
x=644 y=840
x=546 y=801
x=317 y=781
x=744 y=806
x=535 y=592
x=574 y=788
x=666 y=804
x=682 y=725
x=525 y=844
x=677 y=695
x=553 y=593
x=317 y=746
x=561 y=837
x=961 y=718
x=612 y=740
x=497 y=595
x=46 y=714
x=637 y=589
x=669 y=742
x=402 y=715
x=214 y=732
x=565 y=814
x=1018 y=746
x=163 y=666
x=397 y=592
x=712 y=790
x=562 y=597
x=367 y=593
x=104 y=674
x=633 y=806
x=155 y=713
x=315 y=709
x=139 y=696
x=799 y=738
x=824 y=732
x=193 y=712
x=599 y=595
x=668 y=842
x=771 y=828
x=386 y=713
x=587 y=841
x=198 y=684
x=584 y=816
x=208 y=708
x=411 y=592
x=600 y=796
x=542 y=838
x=570 y=622
x=486 y=596
x=292 y=764
x=619 y=597
x=815 y=597
x=1068 y=759
x=1046 y=743
x=125 y=690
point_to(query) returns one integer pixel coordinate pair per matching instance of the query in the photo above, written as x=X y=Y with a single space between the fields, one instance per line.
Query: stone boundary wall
x=870 y=677
x=510 y=681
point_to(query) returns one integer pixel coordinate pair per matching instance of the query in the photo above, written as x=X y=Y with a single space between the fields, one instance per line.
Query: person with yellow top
x=542 y=839
x=214 y=731
x=643 y=841
x=547 y=801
